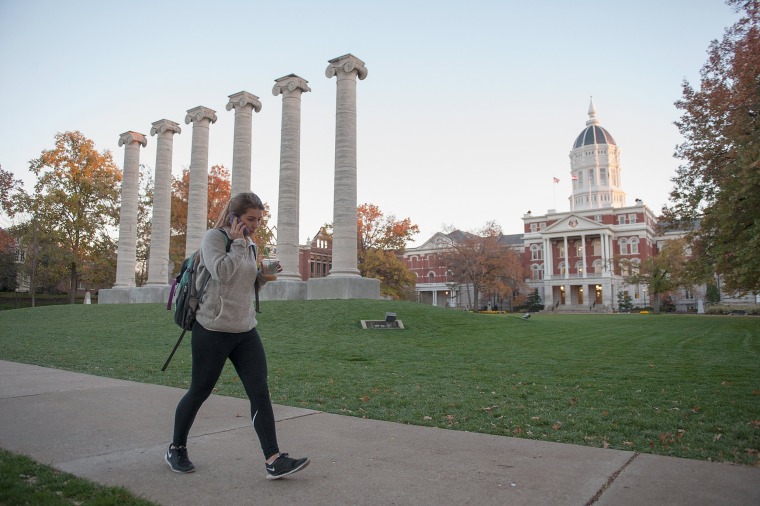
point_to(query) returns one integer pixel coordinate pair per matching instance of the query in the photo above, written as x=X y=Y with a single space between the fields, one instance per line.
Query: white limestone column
x=583 y=255
x=291 y=87
x=346 y=68
x=197 y=201
x=127 y=251
x=548 y=260
x=160 y=232
x=567 y=261
x=244 y=103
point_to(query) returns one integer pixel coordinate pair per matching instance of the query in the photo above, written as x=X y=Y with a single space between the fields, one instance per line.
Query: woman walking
x=225 y=327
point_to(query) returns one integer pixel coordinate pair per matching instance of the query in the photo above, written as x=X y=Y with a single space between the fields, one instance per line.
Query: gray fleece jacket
x=228 y=302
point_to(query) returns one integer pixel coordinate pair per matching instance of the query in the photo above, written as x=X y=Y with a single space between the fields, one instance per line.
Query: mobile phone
x=234 y=219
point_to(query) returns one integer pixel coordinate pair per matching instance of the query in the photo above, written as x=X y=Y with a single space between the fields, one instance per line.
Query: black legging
x=210 y=351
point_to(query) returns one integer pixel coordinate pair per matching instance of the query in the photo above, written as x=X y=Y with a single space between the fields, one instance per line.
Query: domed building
x=569 y=254
x=595 y=168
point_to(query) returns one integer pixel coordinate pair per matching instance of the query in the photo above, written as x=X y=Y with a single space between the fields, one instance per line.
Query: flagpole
x=554 y=190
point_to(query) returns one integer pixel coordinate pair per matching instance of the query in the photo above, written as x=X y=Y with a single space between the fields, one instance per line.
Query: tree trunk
x=656 y=302
x=73 y=289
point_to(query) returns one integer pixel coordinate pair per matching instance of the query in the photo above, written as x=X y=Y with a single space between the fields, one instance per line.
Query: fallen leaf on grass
x=364 y=399
x=427 y=417
x=556 y=426
x=755 y=424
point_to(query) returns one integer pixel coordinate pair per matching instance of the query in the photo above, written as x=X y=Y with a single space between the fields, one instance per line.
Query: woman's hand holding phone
x=237 y=229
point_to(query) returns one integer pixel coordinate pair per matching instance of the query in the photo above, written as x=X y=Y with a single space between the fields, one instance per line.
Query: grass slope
x=681 y=385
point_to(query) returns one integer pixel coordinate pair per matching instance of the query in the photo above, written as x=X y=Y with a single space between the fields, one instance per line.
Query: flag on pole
x=556 y=180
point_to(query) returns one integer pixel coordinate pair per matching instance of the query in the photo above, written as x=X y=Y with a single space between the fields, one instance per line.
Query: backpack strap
x=256 y=285
x=227 y=244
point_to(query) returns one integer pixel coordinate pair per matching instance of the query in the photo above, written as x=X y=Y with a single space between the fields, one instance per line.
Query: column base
x=135 y=295
x=283 y=289
x=343 y=288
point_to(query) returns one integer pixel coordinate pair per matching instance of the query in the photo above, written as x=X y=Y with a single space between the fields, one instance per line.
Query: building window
x=591 y=179
x=561 y=249
x=631 y=218
x=533 y=227
x=542 y=225
x=537 y=252
x=688 y=295
x=580 y=179
x=621 y=219
x=623 y=243
x=634 y=243
x=603 y=176
x=579 y=267
x=561 y=268
x=578 y=248
x=20 y=256
x=598 y=218
x=537 y=272
x=597 y=266
x=597 y=245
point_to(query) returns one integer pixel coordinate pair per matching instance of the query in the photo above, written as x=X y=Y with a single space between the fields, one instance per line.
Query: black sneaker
x=284 y=465
x=177 y=459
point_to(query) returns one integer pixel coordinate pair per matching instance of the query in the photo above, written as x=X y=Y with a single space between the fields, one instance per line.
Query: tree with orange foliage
x=716 y=190
x=382 y=239
x=484 y=261
x=78 y=194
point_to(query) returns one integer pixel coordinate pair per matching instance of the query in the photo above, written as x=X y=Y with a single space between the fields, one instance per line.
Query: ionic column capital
x=130 y=137
x=347 y=64
x=243 y=99
x=200 y=113
x=164 y=125
x=289 y=84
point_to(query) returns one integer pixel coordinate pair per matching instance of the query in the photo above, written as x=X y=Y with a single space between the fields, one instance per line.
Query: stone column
x=244 y=103
x=291 y=87
x=344 y=254
x=197 y=202
x=583 y=255
x=567 y=261
x=130 y=182
x=158 y=261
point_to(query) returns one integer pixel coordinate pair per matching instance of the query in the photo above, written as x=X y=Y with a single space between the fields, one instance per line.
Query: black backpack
x=188 y=296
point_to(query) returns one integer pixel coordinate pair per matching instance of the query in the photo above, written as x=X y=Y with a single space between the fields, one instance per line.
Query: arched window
x=623 y=243
x=561 y=268
x=579 y=267
x=537 y=271
x=537 y=252
x=597 y=266
x=431 y=277
x=597 y=245
x=634 y=243
x=578 y=245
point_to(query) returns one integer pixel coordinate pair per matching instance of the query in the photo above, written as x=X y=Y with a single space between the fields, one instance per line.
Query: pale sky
x=469 y=110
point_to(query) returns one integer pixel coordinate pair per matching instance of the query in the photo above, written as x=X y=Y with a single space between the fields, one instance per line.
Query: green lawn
x=681 y=385
x=23 y=481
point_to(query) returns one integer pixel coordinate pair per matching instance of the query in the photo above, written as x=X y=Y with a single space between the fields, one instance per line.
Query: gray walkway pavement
x=116 y=432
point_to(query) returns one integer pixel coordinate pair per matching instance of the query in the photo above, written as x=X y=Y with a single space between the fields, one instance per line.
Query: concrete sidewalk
x=116 y=432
